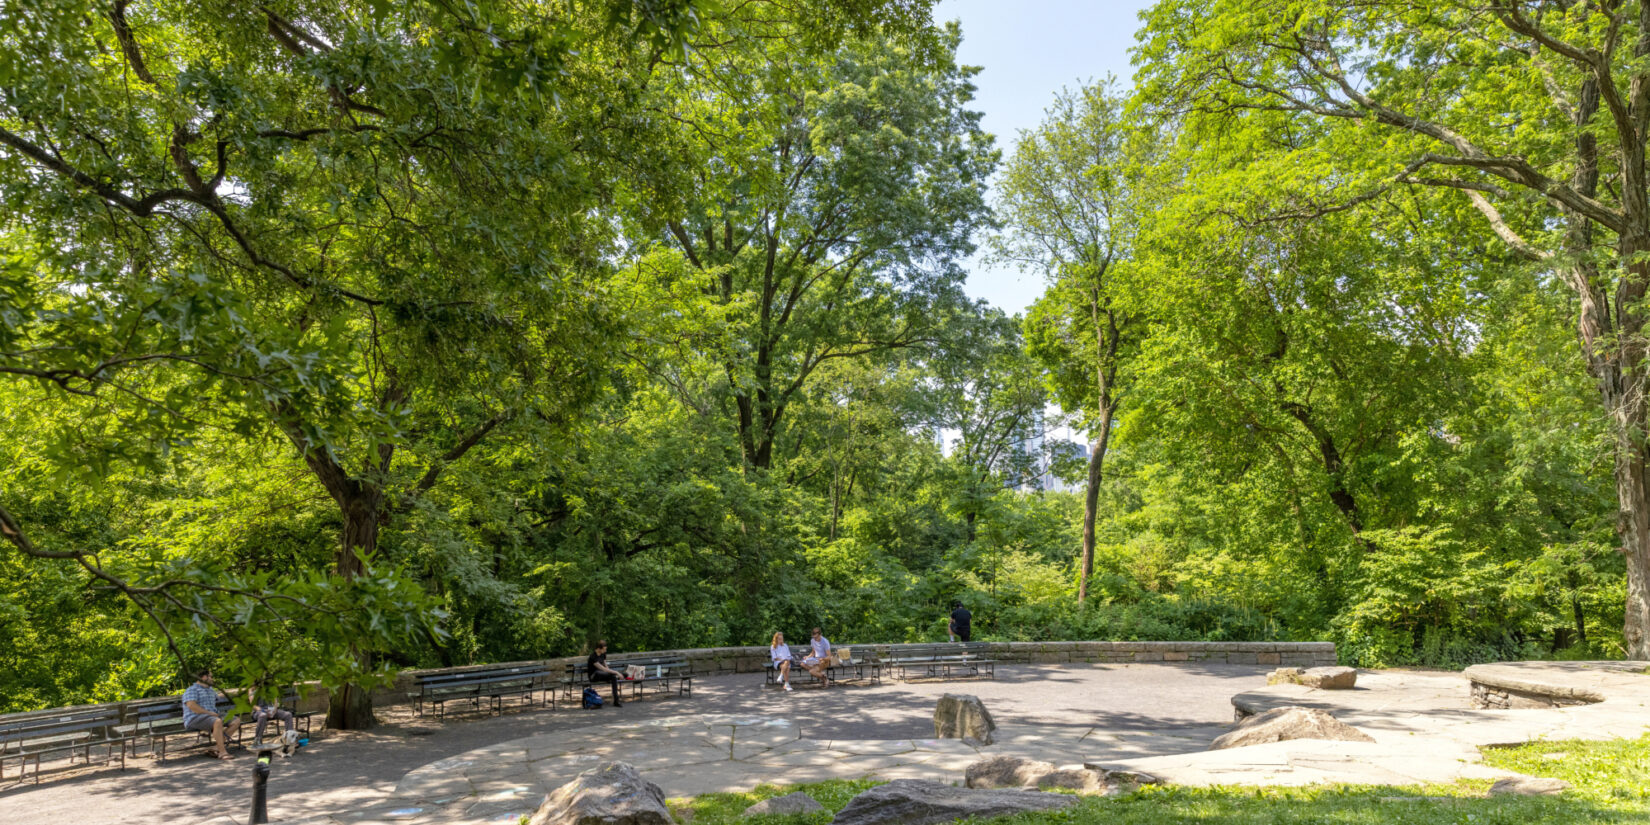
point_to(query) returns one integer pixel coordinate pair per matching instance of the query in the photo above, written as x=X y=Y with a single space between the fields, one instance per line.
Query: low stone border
x=1545 y=685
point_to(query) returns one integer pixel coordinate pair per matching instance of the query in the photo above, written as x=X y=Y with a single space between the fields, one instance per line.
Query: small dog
x=289 y=743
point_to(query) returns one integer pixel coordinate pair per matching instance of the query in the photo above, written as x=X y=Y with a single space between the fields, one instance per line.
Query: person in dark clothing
x=600 y=672
x=960 y=622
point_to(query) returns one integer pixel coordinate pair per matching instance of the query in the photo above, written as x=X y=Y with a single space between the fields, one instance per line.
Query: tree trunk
x=350 y=706
x=1091 y=499
x=361 y=502
x=1633 y=513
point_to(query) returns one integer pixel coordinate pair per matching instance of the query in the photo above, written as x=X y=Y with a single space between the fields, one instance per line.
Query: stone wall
x=714 y=661
x=1292 y=654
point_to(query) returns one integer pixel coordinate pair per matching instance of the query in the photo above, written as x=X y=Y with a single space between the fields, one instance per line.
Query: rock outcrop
x=1329 y=678
x=1283 y=724
x=1006 y=772
x=612 y=793
x=926 y=802
x=1528 y=786
x=960 y=716
x=794 y=803
x=1284 y=676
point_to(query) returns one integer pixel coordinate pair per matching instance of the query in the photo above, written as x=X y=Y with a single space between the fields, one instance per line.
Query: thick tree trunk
x=1091 y=499
x=361 y=502
x=350 y=707
x=1633 y=509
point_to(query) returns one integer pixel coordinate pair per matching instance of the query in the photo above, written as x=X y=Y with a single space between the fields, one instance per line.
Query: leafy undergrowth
x=1611 y=779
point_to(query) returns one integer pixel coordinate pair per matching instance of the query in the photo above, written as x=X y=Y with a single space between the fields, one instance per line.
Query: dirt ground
x=344 y=769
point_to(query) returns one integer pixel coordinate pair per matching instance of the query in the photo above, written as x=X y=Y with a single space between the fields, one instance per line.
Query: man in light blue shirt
x=200 y=712
x=818 y=662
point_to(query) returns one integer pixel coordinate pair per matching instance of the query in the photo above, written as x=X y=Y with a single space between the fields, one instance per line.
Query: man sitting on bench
x=596 y=667
x=818 y=661
x=200 y=712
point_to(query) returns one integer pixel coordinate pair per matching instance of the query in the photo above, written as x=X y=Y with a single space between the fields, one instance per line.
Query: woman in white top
x=781 y=653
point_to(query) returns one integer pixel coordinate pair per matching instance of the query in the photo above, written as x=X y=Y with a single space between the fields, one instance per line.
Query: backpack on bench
x=592 y=699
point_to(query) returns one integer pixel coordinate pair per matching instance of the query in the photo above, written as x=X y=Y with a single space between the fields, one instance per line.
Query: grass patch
x=1611 y=779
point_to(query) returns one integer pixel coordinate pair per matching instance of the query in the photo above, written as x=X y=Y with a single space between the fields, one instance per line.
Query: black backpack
x=592 y=699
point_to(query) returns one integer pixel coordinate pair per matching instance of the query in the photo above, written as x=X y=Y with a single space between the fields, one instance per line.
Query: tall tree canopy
x=1536 y=112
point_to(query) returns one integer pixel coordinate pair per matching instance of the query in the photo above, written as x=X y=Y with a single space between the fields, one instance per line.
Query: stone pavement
x=733 y=736
x=692 y=755
x=1135 y=709
x=1424 y=726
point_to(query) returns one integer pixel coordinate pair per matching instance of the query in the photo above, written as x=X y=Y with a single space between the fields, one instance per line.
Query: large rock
x=1284 y=676
x=960 y=716
x=1123 y=776
x=1528 y=786
x=794 y=803
x=1081 y=780
x=1329 y=678
x=925 y=802
x=1006 y=772
x=610 y=794
x=1283 y=724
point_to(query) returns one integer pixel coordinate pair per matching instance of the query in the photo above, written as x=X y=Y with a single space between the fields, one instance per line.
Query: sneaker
x=787 y=685
x=617 y=703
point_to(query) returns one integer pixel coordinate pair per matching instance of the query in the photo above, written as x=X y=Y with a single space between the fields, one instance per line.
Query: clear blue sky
x=1029 y=50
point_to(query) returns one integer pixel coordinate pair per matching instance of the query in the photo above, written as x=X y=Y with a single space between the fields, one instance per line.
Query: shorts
x=200 y=723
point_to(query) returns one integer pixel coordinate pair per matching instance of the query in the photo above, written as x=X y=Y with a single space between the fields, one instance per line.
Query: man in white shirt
x=818 y=661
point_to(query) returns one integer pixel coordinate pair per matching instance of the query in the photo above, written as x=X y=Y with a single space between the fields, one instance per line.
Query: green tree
x=833 y=197
x=1072 y=203
x=1535 y=112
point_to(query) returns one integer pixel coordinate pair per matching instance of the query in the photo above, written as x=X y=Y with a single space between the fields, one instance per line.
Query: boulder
x=794 y=803
x=1124 y=776
x=926 y=802
x=960 y=716
x=612 y=793
x=1528 y=786
x=1006 y=772
x=1284 y=676
x=1329 y=678
x=1081 y=780
x=1283 y=724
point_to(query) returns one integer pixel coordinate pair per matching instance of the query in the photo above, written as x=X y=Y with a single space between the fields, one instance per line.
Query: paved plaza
x=734 y=735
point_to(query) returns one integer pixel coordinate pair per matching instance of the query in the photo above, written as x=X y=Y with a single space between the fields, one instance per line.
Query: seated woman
x=781 y=654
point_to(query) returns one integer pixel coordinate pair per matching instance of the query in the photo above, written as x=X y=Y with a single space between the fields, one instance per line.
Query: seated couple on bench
x=817 y=662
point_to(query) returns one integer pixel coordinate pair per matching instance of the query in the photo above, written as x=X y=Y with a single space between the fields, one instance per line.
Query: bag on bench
x=635 y=672
x=592 y=699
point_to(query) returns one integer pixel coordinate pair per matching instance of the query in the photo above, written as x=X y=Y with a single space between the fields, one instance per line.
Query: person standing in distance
x=961 y=622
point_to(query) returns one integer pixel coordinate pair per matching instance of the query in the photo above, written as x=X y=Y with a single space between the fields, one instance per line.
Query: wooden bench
x=475 y=684
x=839 y=670
x=158 y=720
x=940 y=660
x=26 y=736
x=658 y=670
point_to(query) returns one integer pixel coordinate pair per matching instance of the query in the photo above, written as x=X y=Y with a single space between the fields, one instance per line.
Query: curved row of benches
x=113 y=729
x=494 y=684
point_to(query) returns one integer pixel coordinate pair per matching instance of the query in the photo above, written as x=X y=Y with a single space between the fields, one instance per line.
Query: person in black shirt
x=600 y=672
x=960 y=620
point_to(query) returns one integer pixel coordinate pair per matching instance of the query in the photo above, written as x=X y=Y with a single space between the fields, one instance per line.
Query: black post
x=260 y=790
